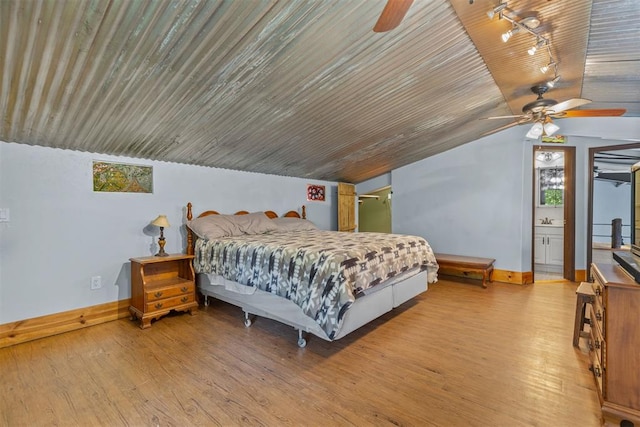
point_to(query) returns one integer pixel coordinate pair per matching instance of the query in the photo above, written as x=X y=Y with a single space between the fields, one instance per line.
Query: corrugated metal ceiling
x=298 y=88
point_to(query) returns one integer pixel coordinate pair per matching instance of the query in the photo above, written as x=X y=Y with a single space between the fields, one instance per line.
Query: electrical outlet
x=96 y=282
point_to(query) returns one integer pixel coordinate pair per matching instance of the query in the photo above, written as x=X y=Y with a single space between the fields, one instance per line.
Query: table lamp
x=161 y=222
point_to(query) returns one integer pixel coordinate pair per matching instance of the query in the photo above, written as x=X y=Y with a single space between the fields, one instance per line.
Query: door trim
x=569 y=261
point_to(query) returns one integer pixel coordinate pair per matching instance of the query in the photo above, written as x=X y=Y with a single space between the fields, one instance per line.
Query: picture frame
x=112 y=177
x=315 y=193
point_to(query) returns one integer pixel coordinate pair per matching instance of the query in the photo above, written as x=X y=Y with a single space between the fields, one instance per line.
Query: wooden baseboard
x=526 y=277
x=45 y=326
x=515 y=277
x=581 y=275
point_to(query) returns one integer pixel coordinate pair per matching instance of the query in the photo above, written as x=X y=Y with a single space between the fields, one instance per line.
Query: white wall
x=61 y=233
x=472 y=200
x=469 y=200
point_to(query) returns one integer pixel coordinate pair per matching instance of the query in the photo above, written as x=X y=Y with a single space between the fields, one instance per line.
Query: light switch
x=4 y=215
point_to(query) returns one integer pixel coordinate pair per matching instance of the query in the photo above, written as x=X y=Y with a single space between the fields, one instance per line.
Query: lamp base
x=161 y=243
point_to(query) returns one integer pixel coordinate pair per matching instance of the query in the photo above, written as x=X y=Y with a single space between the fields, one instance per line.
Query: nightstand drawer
x=159 y=293
x=168 y=303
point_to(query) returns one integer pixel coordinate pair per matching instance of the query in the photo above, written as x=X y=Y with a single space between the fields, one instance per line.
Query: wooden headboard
x=270 y=214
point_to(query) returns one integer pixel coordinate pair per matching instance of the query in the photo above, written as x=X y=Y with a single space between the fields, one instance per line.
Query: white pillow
x=293 y=224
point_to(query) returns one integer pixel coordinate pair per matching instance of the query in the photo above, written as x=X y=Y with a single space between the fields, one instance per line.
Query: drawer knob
x=159 y=305
x=595 y=370
x=599 y=316
x=590 y=346
x=184 y=289
x=598 y=291
x=158 y=294
x=184 y=299
x=597 y=344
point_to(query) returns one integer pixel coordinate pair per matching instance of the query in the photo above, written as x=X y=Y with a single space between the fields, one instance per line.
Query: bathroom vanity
x=549 y=246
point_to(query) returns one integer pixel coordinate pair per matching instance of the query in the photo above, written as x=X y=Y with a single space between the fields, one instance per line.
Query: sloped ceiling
x=297 y=88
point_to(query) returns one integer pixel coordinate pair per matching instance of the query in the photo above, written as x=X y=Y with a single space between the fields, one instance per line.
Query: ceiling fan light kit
x=550 y=128
x=536 y=131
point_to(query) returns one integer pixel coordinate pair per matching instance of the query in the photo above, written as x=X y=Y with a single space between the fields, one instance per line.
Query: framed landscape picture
x=122 y=178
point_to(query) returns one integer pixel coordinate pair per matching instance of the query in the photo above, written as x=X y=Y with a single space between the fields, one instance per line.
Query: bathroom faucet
x=546 y=221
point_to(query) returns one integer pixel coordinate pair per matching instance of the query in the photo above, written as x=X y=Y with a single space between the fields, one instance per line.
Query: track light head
x=552 y=83
x=547 y=67
x=496 y=10
x=539 y=43
x=506 y=36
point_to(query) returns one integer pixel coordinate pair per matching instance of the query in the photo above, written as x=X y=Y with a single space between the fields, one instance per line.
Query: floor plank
x=457 y=355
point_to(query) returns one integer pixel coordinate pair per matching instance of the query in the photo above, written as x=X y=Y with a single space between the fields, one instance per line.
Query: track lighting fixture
x=496 y=10
x=528 y=25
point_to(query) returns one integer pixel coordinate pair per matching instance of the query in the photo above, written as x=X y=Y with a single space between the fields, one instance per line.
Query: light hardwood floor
x=458 y=355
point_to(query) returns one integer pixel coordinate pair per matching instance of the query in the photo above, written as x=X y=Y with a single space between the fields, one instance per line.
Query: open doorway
x=553 y=202
x=374 y=210
x=609 y=200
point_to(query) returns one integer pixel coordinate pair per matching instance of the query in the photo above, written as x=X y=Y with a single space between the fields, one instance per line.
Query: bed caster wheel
x=247 y=320
x=302 y=343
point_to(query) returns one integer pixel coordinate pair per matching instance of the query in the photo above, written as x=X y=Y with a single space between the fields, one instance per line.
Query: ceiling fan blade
x=519 y=122
x=392 y=15
x=567 y=105
x=611 y=112
x=519 y=116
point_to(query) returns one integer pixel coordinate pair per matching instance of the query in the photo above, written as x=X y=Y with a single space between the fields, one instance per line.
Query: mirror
x=551 y=186
x=549 y=179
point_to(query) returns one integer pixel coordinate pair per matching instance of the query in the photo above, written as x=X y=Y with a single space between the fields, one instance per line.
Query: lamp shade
x=161 y=221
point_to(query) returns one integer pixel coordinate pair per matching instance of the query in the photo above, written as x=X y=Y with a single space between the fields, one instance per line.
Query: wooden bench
x=459 y=265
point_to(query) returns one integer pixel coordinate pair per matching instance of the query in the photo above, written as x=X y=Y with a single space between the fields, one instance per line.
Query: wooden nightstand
x=161 y=284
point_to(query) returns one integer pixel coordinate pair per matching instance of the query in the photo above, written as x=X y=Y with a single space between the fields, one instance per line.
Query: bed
x=326 y=283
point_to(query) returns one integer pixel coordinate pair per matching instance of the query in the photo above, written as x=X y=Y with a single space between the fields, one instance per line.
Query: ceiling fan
x=392 y=15
x=541 y=112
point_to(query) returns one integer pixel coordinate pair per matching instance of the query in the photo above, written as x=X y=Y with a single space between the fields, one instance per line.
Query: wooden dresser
x=614 y=344
x=161 y=284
